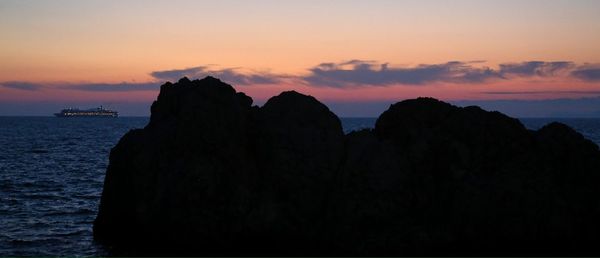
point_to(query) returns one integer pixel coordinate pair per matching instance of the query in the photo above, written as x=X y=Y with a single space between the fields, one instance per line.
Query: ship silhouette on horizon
x=92 y=112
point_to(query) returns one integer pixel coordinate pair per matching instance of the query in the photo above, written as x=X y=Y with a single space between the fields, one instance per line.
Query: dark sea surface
x=52 y=171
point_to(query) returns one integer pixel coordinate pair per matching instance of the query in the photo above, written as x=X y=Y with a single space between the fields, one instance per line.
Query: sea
x=52 y=172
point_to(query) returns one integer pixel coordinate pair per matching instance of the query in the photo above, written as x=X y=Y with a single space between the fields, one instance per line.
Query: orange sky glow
x=51 y=49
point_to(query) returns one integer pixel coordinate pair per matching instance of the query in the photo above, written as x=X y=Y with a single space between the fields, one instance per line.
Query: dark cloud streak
x=229 y=75
x=114 y=87
x=350 y=74
x=368 y=73
x=591 y=92
x=535 y=68
x=98 y=87
x=587 y=73
x=29 y=86
x=357 y=73
x=176 y=74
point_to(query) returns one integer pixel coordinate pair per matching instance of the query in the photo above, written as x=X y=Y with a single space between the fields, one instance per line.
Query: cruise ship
x=93 y=112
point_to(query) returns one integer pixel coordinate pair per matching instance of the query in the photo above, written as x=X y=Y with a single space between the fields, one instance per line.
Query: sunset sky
x=525 y=58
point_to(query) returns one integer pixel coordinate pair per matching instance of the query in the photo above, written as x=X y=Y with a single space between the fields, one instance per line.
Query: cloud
x=112 y=87
x=357 y=73
x=229 y=75
x=176 y=74
x=536 y=68
x=587 y=73
x=106 y=87
x=369 y=73
x=585 y=92
x=351 y=74
x=29 y=86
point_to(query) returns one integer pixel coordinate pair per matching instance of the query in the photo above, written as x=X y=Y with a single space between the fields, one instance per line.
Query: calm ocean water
x=52 y=171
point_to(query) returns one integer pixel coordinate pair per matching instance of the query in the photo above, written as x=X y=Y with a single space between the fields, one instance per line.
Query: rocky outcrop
x=213 y=175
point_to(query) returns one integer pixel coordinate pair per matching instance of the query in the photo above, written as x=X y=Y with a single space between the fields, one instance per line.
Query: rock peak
x=211 y=79
x=184 y=80
x=293 y=97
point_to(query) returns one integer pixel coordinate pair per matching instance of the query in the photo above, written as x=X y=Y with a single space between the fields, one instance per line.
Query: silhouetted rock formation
x=212 y=175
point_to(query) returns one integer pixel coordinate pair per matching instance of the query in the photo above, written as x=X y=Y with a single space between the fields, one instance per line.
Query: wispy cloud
x=536 y=68
x=369 y=73
x=176 y=74
x=583 y=92
x=352 y=74
x=358 y=73
x=587 y=72
x=29 y=86
x=112 y=87
x=230 y=75
x=105 y=87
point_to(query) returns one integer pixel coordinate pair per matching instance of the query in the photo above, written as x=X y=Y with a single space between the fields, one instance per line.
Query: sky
x=525 y=58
